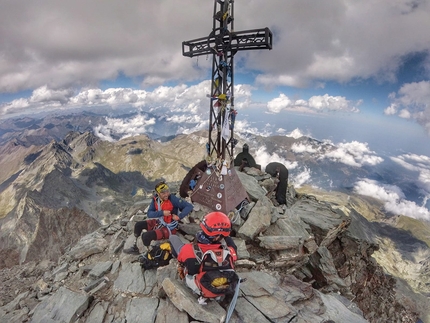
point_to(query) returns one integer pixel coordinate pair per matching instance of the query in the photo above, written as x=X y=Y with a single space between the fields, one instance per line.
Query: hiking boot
x=142 y=258
x=133 y=250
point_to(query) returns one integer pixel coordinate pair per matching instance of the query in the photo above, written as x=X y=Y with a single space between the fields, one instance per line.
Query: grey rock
x=115 y=266
x=150 y=277
x=88 y=245
x=267 y=183
x=130 y=279
x=115 y=245
x=242 y=252
x=64 y=306
x=293 y=243
x=15 y=316
x=244 y=212
x=252 y=187
x=168 y=271
x=100 y=269
x=246 y=312
x=245 y=263
x=60 y=276
x=338 y=312
x=167 y=313
x=290 y=255
x=275 y=309
x=141 y=310
x=61 y=269
x=184 y=300
x=190 y=228
x=313 y=212
x=290 y=225
x=258 y=220
x=93 y=284
x=98 y=312
x=15 y=303
x=323 y=261
x=258 y=284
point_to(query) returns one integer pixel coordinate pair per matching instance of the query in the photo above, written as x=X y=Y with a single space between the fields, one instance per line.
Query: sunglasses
x=162 y=187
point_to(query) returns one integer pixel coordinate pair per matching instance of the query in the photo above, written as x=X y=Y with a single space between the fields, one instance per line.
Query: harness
x=165 y=221
x=217 y=255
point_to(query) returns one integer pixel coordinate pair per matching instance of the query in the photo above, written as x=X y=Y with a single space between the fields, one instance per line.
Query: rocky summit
x=311 y=260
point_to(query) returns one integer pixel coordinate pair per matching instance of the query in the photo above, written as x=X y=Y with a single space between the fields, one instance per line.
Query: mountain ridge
x=100 y=183
x=304 y=277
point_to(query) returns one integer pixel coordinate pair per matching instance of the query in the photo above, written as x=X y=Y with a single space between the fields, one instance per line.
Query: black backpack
x=158 y=256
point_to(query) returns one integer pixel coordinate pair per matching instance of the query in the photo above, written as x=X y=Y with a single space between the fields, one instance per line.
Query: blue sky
x=356 y=73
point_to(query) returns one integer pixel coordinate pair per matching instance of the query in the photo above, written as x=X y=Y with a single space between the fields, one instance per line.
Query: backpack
x=158 y=256
x=216 y=276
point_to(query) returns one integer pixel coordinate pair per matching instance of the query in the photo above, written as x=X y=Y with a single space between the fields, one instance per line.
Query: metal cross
x=219 y=186
x=223 y=43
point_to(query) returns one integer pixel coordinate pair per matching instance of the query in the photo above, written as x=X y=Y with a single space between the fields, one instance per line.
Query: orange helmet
x=216 y=223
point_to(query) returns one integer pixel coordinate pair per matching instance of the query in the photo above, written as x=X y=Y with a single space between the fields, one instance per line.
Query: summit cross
x=223 y=43
x=219 y=186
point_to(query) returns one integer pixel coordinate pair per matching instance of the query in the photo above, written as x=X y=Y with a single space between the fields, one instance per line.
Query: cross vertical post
x=224 y=193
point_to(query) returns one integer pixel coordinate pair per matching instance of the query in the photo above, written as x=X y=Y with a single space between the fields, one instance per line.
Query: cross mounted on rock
x=224 y=192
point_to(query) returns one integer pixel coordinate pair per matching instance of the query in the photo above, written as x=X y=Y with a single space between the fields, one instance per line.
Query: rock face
x=52 y=195
x=306 y=261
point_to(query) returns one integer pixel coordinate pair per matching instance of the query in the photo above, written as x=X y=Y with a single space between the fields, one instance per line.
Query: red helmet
x=216 y=223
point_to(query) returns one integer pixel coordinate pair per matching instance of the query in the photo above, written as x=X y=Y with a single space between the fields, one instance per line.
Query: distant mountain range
x=57 y=165
x=308 y=166
x=139 y=160
x=59 y=181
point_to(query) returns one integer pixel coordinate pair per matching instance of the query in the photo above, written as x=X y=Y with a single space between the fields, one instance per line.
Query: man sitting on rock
x=164 y=212
x=213 y=245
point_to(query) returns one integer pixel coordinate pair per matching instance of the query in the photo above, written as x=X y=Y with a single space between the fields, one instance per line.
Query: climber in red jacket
x=212 y=244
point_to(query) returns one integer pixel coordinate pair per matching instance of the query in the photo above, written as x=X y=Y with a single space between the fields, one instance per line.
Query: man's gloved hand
x=180 y=270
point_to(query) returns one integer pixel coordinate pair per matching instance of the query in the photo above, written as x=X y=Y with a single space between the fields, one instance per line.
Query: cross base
x=219 y=192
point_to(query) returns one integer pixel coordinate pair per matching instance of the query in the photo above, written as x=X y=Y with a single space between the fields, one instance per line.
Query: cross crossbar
x=235 y=41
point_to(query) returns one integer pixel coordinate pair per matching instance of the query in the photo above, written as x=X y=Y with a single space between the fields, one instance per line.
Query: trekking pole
x=232 y=303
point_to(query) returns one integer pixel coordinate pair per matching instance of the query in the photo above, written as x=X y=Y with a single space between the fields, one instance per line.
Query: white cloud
x=405 y=114
x=187 y=130
x=412 y=102
x=280 y=103
x=58 y=48
x=70 y=44
x=319 y=103
x=43 y=94
x=124 y=128
x=243 y=127
x=354 y=154
x=302 y=178
x=393 y=198
x=17 y=104
x=392 y=109
x=191 y=100
x=328 y=102
x=300 y=148
x=184 y=119
x=417 y=163
x=296 y=134
x=263 y=158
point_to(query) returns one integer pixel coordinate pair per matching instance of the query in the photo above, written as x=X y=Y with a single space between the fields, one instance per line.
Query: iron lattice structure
x=221 y=189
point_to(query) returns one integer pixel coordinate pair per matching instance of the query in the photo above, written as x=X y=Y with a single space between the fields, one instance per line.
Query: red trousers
x=154 y=232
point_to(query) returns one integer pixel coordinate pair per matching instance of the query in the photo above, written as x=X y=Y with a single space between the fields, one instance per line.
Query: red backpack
x=216 y=276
